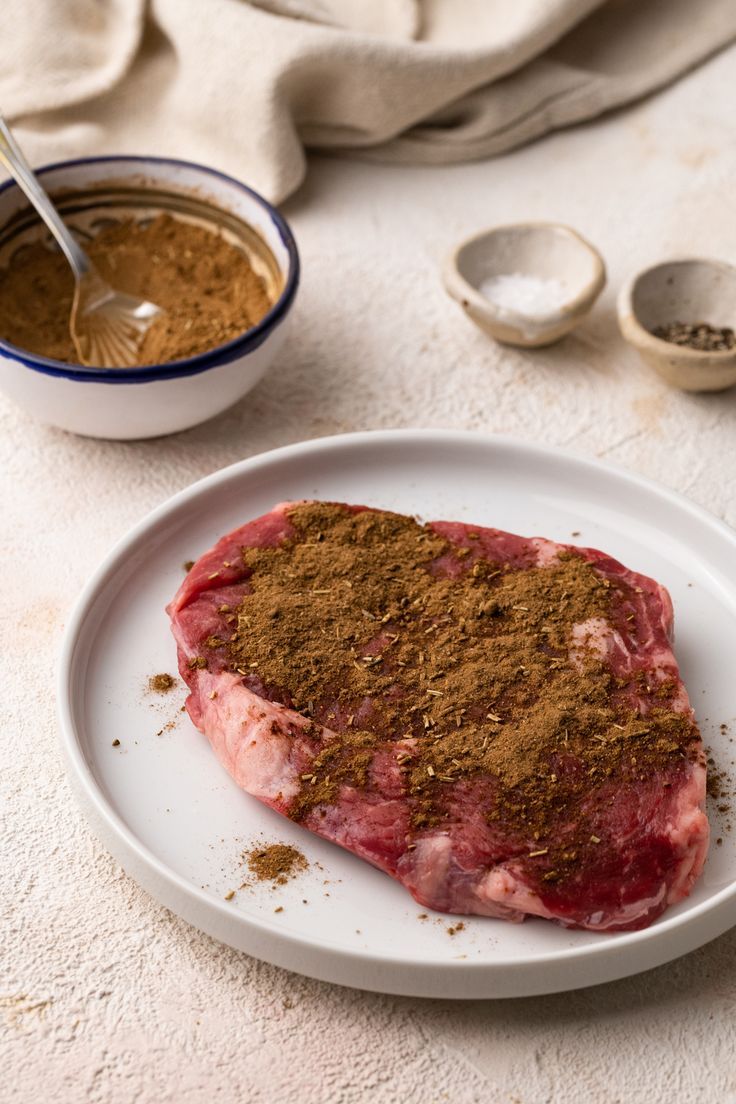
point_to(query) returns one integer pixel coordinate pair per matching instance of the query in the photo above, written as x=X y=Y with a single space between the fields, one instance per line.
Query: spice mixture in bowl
x=217 y=258
x=207 y=288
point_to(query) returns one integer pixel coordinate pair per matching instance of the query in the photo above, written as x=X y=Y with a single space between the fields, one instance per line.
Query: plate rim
x=166 y=884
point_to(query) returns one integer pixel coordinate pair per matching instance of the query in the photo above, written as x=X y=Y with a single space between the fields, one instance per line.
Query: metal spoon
x=107 y=326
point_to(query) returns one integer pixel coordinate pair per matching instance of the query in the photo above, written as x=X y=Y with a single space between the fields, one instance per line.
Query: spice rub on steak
x=496 y=722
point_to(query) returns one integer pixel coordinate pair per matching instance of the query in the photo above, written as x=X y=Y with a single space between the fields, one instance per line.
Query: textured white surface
x=106 y=996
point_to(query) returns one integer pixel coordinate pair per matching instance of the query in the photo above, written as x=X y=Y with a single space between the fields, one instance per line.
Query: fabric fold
x=246 y=87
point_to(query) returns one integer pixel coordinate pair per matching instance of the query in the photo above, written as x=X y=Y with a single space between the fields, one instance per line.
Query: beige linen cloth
x=246 y=86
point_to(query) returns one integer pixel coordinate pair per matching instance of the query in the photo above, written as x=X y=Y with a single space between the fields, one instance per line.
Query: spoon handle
x=13 y=160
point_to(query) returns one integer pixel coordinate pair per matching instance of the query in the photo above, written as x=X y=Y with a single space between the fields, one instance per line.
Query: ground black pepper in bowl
x=698 y=335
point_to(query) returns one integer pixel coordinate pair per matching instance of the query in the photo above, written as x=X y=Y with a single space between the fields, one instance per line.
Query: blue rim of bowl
x=191 y=366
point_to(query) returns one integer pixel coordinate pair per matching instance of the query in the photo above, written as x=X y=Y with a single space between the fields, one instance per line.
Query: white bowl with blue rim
x=160 y=398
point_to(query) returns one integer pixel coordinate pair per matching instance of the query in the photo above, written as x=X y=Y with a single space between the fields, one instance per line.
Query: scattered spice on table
x=277 y=863
x=207 y=288
x=698 y=335
x=161 y=684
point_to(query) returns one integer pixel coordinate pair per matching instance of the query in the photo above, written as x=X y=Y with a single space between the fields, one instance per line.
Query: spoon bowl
x=108 y=326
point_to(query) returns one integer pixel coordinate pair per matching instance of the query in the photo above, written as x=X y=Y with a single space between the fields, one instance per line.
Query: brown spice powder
x=205 y=285
x=377 y=628
x=161 y=684
x=277 y=863
x=720 y=788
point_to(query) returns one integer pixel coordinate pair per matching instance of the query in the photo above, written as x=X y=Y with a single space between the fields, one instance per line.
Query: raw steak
x=497 y=722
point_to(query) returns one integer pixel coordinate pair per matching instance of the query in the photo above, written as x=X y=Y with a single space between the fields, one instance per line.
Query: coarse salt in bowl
x=525 y=284
x=527 y=295
x=157 y=399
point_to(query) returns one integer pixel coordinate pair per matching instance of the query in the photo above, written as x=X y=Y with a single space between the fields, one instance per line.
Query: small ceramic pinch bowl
x=687 y=291
x=157 y=399
x=545 y=256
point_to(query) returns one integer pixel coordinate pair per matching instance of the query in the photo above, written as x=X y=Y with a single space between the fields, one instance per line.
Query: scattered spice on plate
x=718 y=780
x=455 y=928
x=188 y=565
x=698 y=335
x=722 y=791
x=229 y=896
x=161 y=684
x=116 y=743
x=277 y=863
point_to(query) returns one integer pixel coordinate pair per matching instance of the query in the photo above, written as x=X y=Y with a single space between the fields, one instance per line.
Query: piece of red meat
x=653 y=832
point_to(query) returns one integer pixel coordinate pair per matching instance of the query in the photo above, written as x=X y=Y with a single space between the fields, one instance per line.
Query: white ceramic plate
x=178 y=824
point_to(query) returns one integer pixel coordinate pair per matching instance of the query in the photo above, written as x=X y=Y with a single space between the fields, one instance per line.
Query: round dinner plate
x=180 y=826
